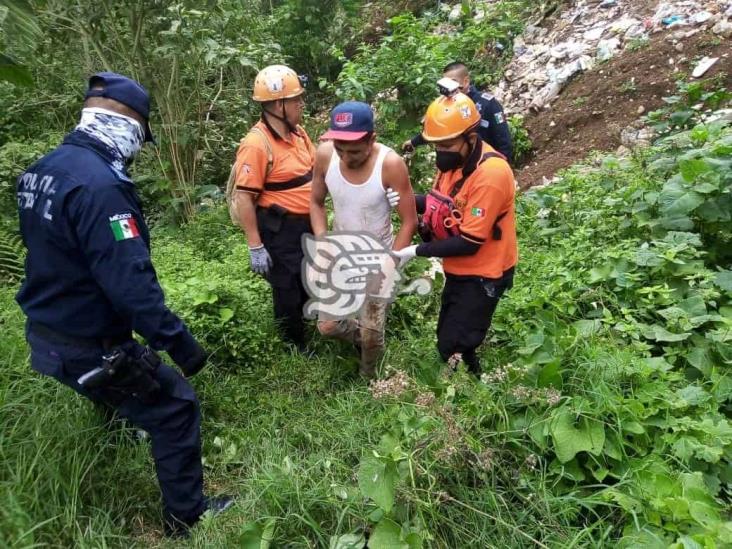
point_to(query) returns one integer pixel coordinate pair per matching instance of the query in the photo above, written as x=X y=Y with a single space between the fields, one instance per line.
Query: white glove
x=406 y=254
x=260 y=260
x=392 y=197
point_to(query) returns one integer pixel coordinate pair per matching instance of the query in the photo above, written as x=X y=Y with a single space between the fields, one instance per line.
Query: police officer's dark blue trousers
x=173 y=420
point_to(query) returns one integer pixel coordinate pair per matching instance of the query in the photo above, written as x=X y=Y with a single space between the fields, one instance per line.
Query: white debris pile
x=592 y=31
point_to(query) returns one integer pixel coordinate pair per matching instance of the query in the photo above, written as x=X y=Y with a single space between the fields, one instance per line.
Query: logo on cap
x=465 y=111
x=343 y=119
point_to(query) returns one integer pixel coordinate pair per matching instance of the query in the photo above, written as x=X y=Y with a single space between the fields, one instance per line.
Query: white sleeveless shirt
x=361 y=207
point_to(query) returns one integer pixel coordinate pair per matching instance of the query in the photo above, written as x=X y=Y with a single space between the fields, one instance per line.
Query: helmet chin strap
x=282 y=118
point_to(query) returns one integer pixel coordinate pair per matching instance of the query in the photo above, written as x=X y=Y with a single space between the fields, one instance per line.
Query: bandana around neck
x=122 y=135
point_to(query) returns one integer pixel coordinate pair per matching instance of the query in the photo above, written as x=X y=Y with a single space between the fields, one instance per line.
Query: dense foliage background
x=603 y=415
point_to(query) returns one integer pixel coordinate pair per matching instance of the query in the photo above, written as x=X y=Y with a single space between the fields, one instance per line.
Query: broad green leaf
x=414 y=540
x=702 y=506
x=600 y=473
x=387 y=535
x=226 y=314
x=715 y=210
x=701 y=359
x=612 y=448
x=659 y=333
x=677 y=223
x=12 y=72
x=693 y=395
x=254 y=536
x=571 y=437
x=658 y=363
x=377 y=480
x=549 y=375
x=677 y=200
x=587 y=328
x=347 y=541
x=694 y=306
x=688 y=543
x=678 y=238
x=692 y=168
x=633 y=427
x=706 y=187
x=723 y=279
x=646 y=257
x=532 y=343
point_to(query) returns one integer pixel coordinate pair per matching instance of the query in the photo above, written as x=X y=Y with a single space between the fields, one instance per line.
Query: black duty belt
x=508 y=273
x=52 y=336
x=278 y=211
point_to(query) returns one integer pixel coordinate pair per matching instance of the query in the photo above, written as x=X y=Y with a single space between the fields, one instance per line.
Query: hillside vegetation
x=602 y=418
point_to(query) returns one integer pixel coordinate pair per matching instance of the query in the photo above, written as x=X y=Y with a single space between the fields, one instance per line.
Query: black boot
x=472 y=362
x=181 y=529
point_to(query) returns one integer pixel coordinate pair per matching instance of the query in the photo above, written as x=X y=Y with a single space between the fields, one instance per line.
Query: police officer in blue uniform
x=493 y=128
x=89 y=283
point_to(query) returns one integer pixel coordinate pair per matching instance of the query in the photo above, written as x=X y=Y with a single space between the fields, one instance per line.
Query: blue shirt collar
x=82 y=139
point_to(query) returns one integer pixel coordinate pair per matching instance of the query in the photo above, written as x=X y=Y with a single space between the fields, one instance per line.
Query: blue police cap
x=125 y=90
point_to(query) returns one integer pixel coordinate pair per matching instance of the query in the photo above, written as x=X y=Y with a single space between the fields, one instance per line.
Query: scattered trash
x=674 y=20
x=607 y=48
x=700 y=17
x=703 y=66
x=545 y=60
x=723 y=28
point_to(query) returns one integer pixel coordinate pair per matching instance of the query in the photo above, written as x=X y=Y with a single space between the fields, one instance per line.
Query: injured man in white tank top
x=364 y=179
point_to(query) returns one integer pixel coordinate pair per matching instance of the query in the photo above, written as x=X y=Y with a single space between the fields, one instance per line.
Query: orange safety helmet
x=448 y=117
x=276 y=82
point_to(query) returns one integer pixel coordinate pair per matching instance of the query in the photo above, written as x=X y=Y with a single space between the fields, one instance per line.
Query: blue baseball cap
x=350 y=121
x=125 y=90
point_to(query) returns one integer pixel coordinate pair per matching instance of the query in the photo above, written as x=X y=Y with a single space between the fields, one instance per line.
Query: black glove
x=195 y=363
x=188 y=355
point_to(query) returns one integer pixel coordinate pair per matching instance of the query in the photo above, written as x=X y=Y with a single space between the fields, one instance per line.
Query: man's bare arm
x=396 y=175
x=246 y=207
x=319 y=190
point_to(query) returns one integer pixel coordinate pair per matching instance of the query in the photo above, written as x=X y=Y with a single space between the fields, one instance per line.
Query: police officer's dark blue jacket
x=88 y=268
x=493 y=127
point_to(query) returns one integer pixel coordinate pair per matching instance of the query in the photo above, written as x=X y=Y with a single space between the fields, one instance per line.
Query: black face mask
x=448 y=160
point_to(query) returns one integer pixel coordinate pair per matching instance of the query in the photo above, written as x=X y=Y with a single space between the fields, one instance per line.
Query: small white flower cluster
x=395 y=386
x=549 y=396
x=531 y=461
x=499 y=374
x=425 y=399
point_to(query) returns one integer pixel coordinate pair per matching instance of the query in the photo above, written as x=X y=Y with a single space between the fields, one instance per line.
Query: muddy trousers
x=365 y=332
x=468 y=304
x=282 y=235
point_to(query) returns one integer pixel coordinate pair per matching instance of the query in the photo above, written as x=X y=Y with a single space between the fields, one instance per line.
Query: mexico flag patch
x=477 y=212
x=123 y=226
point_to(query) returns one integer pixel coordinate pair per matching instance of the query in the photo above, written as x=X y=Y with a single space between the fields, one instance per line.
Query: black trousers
x=173 y=421
x=468 y=304
x=281 y=235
